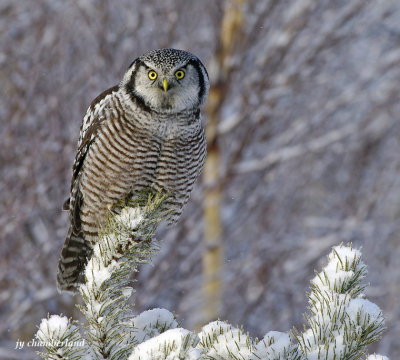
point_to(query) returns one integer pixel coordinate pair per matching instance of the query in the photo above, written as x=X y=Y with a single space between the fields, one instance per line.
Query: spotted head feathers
x=167 y=80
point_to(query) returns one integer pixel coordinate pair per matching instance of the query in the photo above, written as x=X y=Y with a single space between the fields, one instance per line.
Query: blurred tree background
x=304 y=128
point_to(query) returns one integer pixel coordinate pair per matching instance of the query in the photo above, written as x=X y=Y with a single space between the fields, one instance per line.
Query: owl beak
x=165 y=84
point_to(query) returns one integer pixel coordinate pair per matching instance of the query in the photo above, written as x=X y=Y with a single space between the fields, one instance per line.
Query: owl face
x=167 y=80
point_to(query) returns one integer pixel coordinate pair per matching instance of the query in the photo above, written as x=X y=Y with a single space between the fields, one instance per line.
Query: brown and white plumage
x=143 y=135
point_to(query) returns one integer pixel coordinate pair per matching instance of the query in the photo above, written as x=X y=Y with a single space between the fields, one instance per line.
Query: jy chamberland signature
x=19 y=344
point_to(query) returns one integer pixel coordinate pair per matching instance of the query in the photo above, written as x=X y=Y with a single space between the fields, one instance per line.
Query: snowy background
x=309 y=143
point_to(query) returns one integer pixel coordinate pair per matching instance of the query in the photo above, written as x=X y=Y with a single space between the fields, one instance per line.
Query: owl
x=144 y=134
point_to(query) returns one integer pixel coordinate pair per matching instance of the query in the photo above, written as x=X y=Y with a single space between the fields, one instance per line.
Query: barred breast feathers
x=135 y=149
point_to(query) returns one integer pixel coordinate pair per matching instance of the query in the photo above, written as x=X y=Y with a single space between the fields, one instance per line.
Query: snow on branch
x=60 y=338
x=340 y=322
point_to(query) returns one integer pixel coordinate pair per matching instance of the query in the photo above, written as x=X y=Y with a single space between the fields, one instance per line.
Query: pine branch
x=340 y=322
x=125 y=243
x=61 y=339
x=123 y=246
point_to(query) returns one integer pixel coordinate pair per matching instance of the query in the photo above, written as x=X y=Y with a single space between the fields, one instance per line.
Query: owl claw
x=116 y=209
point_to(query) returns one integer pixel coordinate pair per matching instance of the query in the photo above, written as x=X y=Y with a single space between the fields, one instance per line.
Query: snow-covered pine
x=151 y=323
x=276 y=346
x=61 y=339
x=340 y=324
x=219 y=340
x=172 y=344
x=377 y=357
x=124 y=244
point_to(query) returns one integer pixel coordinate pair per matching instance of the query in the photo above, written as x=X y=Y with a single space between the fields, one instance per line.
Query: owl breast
x=136 y=151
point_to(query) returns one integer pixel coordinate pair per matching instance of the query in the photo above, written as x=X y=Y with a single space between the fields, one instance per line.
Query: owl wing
x=87 y=135
x=75 y=249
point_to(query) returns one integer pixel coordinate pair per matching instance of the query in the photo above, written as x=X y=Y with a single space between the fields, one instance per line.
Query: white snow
x=101 y=275
x=346 y=255
x=53 y=327
x=377 y=357
x=153 y=322
x=336 y=315
x=335 y=350
x=170 y=345
x=127 y=292
x=335 y=312
x=213 y=328
x=343 y=263
x=96 y=272
x=54 y=324
x=368 y=311
x=335 y=274
x=280 y=345
x=57 y=323
x=218 y=340
x=130 y=217
x=101 y=266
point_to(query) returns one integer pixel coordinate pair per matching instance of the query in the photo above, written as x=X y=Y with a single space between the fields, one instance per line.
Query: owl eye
x=152 y=75
x=180 y=74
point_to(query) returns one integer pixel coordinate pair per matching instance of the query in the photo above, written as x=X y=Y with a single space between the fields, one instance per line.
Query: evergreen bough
x=340 y=321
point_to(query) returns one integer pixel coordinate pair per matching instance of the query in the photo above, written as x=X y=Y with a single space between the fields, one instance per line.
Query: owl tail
x=72 y=261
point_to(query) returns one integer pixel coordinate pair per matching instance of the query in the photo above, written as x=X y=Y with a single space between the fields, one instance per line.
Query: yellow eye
x=180 y=74
x=152 y=75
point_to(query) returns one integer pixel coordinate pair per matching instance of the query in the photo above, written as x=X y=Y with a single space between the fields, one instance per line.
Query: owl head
x=167 y=80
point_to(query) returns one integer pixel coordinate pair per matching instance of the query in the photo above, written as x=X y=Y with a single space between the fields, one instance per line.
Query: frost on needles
x=340 y=322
